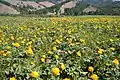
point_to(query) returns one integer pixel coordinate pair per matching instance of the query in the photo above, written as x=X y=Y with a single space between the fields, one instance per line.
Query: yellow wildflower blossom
x=32 y=62
x=43 y=56
x=111 y=40
x=34 y=74
x=8 y=47
x=50 y=52
x=116 y=62
x=54 y=48
x=2 y=38
x=29 y=50
x=62 y=66
x=12 y=78
x=42 y=60
x=112 y=48
x=55 y=71
x=12 y=37
x=4 y=54
x=91 y=69
x=100 y=51
x=82 y=40
x=29 y=43
x=16 y=44
x=56 y=56
x=57 y=41
x=94 y=77
x=78 y=53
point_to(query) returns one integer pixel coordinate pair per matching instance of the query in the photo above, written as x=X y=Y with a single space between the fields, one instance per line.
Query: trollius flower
x=55 y=71
x=90 y=69
x=116 y=62
x=94 y=77
x=12 y=78
x=34 y=74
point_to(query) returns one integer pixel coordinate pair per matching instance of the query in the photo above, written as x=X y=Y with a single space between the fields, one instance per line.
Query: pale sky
x=116 y=0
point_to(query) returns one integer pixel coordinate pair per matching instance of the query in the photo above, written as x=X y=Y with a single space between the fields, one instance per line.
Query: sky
x=116 y=0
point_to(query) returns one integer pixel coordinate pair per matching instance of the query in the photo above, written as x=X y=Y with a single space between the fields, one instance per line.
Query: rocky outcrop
x=90 y=9
x=69 y=5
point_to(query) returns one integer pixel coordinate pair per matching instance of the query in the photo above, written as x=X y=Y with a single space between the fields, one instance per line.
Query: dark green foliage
x=4 y=2
x=78 y=10
x=116 y=8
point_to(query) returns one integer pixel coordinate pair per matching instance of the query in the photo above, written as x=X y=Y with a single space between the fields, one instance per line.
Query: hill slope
x=64 y=7
x=7 y=10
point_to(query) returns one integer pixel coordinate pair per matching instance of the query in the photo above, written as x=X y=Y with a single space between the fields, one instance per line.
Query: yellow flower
x=54 y=48
x=2 y=38
x=16 y=44
x=69 y=31
x=57 y=41
x=29 y=50
x=6 y=42
x=4 y=54
x=115 y=61
x=77 y=43
x=78 y=53
x=12 y=37
x=100 y=51
x=43 y=56
x=72 y=44
x=56 y=56
x=8 y=47
x=62 y=66
x=98 y=42
x=20 y=38
x=91 y=69
x=32 y=62
x=8 y=52
x=106 y=75
x=29 y=43
x=42 y=60
x=55 y=71
x=94 y=77
x=66 y=79
x=50 y=52
x=12 y=78
x=82 y=40
x=34 y=74
x=112 y=48
x=107 y=64
x=111 y=40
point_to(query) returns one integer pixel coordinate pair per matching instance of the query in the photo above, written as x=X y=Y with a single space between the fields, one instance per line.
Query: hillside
x=61 y=7
x=7 y=10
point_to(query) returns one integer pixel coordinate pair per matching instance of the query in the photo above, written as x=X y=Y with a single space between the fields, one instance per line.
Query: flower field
x=60 y=48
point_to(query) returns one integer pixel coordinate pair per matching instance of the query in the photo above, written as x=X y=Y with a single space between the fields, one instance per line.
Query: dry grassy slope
x=19 y=3
x=90 y=9
x=7 y=10
x=69 y=5
x=39 y=5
